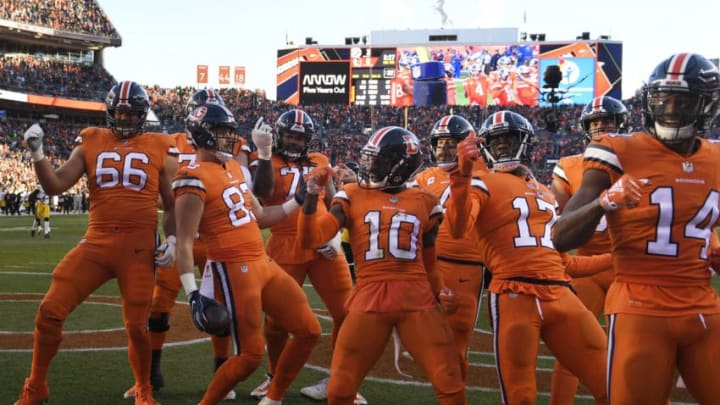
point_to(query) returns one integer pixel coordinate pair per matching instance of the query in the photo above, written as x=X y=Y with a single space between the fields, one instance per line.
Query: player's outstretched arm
x=583 y=266
x=316 y=229
x=54 y=182
x=582 y=212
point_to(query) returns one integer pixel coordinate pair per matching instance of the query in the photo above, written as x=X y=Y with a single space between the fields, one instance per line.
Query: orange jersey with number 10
x=386 y=231
x=662 y=244
x=115 y=167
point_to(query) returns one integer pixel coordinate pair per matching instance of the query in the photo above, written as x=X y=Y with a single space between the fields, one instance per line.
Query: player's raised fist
x=468 y=151
x=262 y=137
x=626 y=192
x=33 y=139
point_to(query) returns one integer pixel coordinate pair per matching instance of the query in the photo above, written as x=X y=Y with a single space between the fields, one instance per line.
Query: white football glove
x=262 y=137
x=33 y=138
x=165 y=254
x=331 y=249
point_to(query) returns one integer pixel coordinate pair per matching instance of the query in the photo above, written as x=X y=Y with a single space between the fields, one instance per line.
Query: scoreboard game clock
x=371 y=72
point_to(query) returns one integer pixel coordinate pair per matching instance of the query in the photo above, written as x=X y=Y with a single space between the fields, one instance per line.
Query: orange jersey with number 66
x=116 y=166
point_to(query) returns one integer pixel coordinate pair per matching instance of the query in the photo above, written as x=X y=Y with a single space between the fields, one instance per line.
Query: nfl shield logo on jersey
x=687 y=167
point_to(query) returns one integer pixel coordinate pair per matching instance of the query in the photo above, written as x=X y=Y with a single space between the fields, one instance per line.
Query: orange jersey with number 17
x=514 y=226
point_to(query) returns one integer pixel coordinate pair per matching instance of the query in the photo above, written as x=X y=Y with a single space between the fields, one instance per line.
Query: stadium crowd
x=342 y=129
x=40 y=75
x=60 y=15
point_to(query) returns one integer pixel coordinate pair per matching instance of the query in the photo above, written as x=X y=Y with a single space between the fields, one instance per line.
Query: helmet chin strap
x=223 y=156
x=447 y=165
x=674 y=135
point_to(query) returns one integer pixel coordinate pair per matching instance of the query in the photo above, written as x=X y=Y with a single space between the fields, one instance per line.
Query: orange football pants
x=248 y=289
x=569 y=330
x=331 y=280
x=592 y=291
x=425 y=334
x=643 y=352
x=466 y=281
x=125 y=254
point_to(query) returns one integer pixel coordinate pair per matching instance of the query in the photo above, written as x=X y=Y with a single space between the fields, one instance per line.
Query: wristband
x=290 y=206
x=264 y=153
x=37 y=155
x=188 y=283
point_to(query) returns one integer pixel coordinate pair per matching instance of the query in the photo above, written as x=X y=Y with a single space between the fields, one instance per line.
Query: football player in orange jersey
x=530 y=293
x=214 y=199
x=126 y=170
x=167 y=283
x=278 y=177
x=458 y=260
x=659 y=190
x=392 y=232
x=475 y=87
x=600 y=116
x=450 y=84
x=526 y=89
x=401 y=89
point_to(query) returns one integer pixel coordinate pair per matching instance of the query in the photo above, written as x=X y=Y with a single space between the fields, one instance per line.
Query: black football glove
x=208 y=315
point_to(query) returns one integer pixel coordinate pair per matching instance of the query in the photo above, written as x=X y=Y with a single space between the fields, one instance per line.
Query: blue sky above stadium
x=164 y=40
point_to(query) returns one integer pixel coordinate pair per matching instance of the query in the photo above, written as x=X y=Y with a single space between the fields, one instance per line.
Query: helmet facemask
x=373 y=171
x=382 y=172
x=226 y=140
x=680 y=98
x=505 y=151
x=676 y=114
x=291 y=151
x=608 y=124
x=130 y=125
x=444 y=150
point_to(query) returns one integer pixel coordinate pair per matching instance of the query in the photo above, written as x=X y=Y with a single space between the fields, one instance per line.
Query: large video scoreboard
x=504 y=74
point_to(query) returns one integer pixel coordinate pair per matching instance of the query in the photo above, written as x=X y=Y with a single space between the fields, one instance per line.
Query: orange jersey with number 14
x=662 y=244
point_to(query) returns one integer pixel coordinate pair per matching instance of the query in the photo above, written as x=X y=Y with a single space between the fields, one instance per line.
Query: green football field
x=100 y=376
